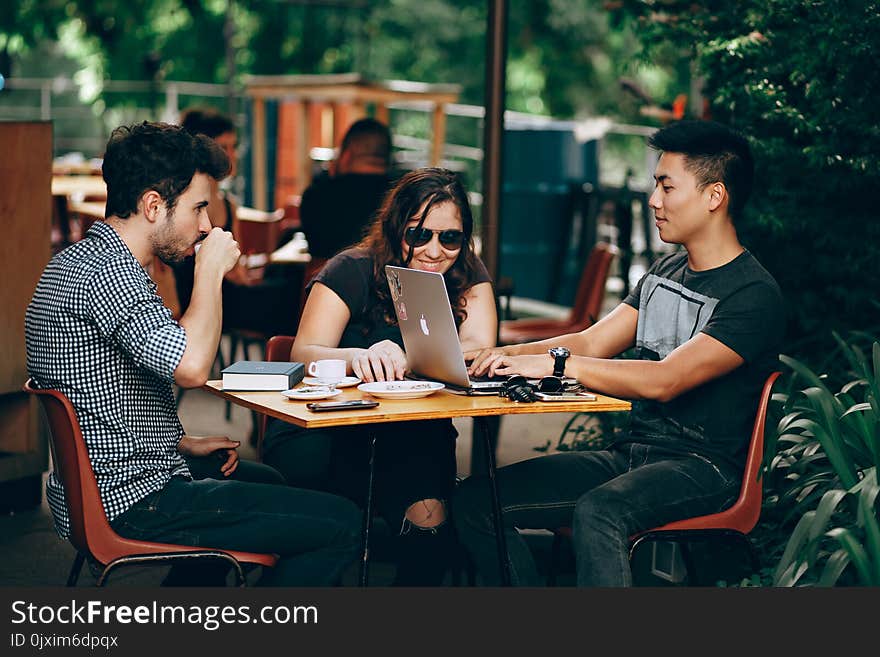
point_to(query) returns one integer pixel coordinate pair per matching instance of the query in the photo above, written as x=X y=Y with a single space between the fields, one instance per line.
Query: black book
x=262 y=375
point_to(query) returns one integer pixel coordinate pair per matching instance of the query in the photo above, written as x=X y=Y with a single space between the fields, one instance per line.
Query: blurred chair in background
x=585 y=311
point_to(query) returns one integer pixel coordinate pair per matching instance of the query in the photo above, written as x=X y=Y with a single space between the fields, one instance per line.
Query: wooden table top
x=85 y=185
x=94 y=209
x=442 y=404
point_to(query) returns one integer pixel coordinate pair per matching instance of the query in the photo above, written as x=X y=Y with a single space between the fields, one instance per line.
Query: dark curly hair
x=159 y=157
x=430 y=187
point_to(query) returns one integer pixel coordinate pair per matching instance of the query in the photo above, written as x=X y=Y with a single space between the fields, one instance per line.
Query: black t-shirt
x=350 y=275
x=336 y=211
x=738 y=304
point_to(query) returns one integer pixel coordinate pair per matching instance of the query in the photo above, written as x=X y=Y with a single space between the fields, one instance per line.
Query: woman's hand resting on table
x=383 y=361
x=198 y=446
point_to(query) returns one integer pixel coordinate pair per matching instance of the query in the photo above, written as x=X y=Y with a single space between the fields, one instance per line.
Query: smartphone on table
x=350 y=405
x=565 y=396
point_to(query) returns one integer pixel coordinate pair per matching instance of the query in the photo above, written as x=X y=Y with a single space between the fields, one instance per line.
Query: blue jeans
x=317 y=535
x=605 y=496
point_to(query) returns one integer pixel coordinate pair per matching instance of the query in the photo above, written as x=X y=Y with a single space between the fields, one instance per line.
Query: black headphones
x=517 y=389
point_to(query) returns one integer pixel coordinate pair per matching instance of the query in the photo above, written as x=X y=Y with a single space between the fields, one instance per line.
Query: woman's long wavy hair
x=428 y=187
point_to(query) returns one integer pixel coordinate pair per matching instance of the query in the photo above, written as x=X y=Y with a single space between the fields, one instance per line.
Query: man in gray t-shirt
x=706 y=324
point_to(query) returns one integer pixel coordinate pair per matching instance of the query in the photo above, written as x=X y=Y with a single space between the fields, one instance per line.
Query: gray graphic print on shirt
x=662 y=299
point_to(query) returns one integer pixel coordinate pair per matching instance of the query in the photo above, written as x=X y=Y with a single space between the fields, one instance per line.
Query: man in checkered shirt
x=97 y=331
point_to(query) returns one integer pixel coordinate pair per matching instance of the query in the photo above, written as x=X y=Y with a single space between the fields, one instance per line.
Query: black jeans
x=414 y=461
x=605 y=496
x=317 y=535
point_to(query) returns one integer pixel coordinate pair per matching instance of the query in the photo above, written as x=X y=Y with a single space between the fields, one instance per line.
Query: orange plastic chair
x=734 y=523
x=90 y=532
x=312 y=268
x=277 y=349
x=585 y=311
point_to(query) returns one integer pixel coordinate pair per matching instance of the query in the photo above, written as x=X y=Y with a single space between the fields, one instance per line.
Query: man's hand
x=218 y=252
x=481 y=358
x=531 y=367
x=383 y=361
x=206 y=445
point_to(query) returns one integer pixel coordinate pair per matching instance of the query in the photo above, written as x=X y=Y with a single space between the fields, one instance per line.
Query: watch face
x=560 y=351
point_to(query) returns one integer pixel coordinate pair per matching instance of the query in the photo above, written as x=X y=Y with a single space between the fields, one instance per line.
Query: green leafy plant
x=825 y=454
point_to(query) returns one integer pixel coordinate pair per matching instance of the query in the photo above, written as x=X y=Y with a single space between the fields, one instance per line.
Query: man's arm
x=203 y=318
x=697 y=361
x=700 y=359
x=610 y=336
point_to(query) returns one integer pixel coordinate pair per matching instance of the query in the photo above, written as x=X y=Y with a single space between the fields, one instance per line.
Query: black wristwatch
x=560 y=354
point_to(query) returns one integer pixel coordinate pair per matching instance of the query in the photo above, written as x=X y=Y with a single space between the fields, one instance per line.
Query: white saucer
x=339 y=383
x=311 y=392
x=401 y=389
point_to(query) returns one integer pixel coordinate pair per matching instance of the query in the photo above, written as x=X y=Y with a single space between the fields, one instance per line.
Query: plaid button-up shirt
x=97 y=331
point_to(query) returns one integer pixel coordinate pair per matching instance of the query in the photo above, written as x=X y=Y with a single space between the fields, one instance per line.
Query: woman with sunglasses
x=425 y=223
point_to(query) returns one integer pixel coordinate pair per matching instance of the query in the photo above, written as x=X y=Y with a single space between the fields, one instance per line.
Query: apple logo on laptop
x=424 y=324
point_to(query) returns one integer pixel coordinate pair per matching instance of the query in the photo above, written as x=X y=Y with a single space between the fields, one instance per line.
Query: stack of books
x=262 y=375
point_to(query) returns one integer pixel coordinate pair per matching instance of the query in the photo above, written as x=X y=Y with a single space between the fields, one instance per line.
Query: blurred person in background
x=338 y=207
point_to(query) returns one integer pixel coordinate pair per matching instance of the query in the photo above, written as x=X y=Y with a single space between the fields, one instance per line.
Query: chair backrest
x=751 y=493
x=90 y=532
x=590 y=293
x=277 y=349
x=89 y=529
x=312 y=268
x=744 y=513
x=258 y=235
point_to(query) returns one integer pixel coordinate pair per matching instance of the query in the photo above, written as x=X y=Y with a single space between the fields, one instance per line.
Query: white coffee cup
x=327 y=369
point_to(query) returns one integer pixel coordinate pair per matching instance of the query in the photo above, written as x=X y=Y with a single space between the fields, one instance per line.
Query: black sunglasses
x=548 y=384
x=450 y=239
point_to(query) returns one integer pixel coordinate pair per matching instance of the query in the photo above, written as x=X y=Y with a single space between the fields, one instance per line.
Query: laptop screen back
x=433 y=350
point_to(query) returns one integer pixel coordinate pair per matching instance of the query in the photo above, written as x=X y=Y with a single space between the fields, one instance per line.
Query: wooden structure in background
x=26 y=216
x=316 y=110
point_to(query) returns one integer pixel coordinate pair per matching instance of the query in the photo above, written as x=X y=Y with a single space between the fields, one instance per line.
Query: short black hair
x=206 y=121
x=713 y=152
x=368 y=137
x=156 y=156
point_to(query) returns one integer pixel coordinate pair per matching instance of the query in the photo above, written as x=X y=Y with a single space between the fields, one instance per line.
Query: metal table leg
x=500 y=538
x=368 y=517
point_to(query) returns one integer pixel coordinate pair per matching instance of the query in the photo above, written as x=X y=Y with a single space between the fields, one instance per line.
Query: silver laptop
x=430 y=337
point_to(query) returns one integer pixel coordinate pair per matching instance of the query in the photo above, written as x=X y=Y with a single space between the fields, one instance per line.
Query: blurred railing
x=83 y=116
x=83 y=121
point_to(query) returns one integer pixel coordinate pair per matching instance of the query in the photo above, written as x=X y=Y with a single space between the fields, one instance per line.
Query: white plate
x=339 y=383
x=401 y=389
x=311 y=392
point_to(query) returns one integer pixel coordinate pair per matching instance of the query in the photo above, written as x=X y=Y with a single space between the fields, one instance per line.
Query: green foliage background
x=800 y=78
x=565 y=56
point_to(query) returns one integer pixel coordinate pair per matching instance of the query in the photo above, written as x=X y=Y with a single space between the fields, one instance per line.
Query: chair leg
x=163 y=558
x=368 y=516
x=690 y=567
x=75 y=569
